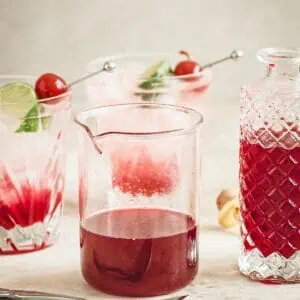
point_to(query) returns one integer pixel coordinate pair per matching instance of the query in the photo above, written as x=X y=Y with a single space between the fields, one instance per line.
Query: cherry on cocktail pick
x=189 y=66
x=50 y=85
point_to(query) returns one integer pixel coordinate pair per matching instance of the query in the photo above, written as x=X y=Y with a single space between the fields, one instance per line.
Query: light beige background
x=63 y=35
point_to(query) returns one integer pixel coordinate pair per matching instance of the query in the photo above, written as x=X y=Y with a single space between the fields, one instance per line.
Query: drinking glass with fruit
x=33 y=118
x=177 y=79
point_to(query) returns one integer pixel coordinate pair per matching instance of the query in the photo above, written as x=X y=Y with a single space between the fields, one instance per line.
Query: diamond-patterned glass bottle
x=270 y=170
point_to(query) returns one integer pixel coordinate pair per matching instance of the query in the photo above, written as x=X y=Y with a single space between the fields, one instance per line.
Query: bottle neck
x=289 y=71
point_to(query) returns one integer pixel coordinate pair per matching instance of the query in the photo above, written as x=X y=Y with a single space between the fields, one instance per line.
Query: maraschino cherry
x=187 y=66
x=50 y=85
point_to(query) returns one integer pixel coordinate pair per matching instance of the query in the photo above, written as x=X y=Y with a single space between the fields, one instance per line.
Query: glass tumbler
x=31 y=165
x=139 y=175
x=270 y=170
x=145 y=78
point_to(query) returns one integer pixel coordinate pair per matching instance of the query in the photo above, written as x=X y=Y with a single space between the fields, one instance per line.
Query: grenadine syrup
x=270 y=192
x=23 y=204
x=139 y=251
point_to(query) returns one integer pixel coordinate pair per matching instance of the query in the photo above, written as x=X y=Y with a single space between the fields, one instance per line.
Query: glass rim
x=115 y=57
x=197 y=116
x=274 y=55
x=32 y=78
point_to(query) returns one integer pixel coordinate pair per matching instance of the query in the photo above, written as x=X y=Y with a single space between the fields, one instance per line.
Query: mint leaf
x=154 y=76
x=152 y=83
x=32 y=122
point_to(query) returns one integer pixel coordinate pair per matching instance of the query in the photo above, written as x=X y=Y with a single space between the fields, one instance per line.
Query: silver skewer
x=235 y=55
x=109 y=66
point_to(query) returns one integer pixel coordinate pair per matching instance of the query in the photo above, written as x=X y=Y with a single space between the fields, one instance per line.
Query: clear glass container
x=31 y=167
x=139 y=181
x=124 y=85
x=270 y=170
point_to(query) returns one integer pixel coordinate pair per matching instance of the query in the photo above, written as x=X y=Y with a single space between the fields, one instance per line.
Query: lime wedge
x=19 y=100
x=16 y=99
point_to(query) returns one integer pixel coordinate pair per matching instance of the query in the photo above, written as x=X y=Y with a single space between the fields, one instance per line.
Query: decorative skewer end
x=236 y=54
x=109 y=66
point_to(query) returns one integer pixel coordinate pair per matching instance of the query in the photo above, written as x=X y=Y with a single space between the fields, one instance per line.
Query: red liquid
x=270 y=189
x=26 y=204
x=139 y=252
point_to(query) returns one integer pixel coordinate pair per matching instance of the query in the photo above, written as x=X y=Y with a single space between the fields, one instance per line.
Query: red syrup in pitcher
x=139 y=251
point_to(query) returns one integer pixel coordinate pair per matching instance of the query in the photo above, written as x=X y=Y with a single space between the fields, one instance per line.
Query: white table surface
x=57 y=269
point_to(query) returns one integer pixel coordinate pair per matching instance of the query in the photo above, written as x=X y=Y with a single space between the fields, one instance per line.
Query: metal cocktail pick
x=235 y=55
x=110 y=66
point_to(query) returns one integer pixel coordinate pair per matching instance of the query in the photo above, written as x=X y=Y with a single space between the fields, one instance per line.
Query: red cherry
x=50 y=85
x=187 y=66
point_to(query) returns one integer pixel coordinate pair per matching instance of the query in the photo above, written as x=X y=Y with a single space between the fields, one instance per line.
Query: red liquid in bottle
x=139 y=252
x=270 y=189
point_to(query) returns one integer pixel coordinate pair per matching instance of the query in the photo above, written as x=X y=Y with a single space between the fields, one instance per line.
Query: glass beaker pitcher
x=32 y=165
x=139 y=181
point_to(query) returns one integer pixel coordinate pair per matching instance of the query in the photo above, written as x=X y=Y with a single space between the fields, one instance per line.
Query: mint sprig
x=154 y=79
